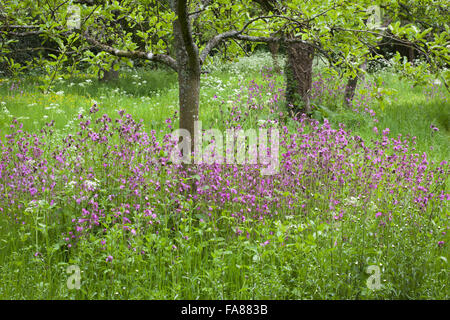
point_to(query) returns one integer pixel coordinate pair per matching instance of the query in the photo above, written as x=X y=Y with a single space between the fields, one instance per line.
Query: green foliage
x=14 y=68
x=337 y=28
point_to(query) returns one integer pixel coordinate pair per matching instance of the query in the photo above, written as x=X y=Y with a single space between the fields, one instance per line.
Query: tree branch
x=24 y=34
x=162 y=58
x=216 y=40
x=184 y=26
x=200 y=8
x=284 y=40
x=18 y=27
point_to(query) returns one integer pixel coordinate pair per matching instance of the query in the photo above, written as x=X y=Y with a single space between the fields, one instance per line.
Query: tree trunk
x=188 y=65
x=274 y=48
x=411 y=55
x=110 y=74
x=189 y=89
x=298 y=72
x=352 y=83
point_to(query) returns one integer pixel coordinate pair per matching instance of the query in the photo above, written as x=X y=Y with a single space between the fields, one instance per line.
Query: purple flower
x=434 y=128
x=94 y=108
x=33 y=191
x=109 y=258
x=265 y=243
x=337 y=217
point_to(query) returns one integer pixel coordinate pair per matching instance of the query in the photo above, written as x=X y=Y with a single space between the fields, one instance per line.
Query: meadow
x=86 y=180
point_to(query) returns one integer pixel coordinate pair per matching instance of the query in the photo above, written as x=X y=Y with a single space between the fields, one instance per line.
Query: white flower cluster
x=268 y=123
x=5 y=110
x=352 y=201
x=35 y=204
x=91 y=185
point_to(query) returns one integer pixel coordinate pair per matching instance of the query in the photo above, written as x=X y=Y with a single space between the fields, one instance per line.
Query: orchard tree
x=422 y=27
x=183 y=34
x=349 y=34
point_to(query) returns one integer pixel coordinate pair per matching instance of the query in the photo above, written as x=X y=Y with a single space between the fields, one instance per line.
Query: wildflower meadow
x=103 y=194
x=109 y=191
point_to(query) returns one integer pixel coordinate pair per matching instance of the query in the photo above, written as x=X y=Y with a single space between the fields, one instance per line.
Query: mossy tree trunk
x=188 y=68
x=111 y=74
x=352 y=83
x=274 y=47
x=298 y=71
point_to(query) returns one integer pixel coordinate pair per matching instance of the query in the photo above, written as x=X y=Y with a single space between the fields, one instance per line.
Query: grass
x=204 y=251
